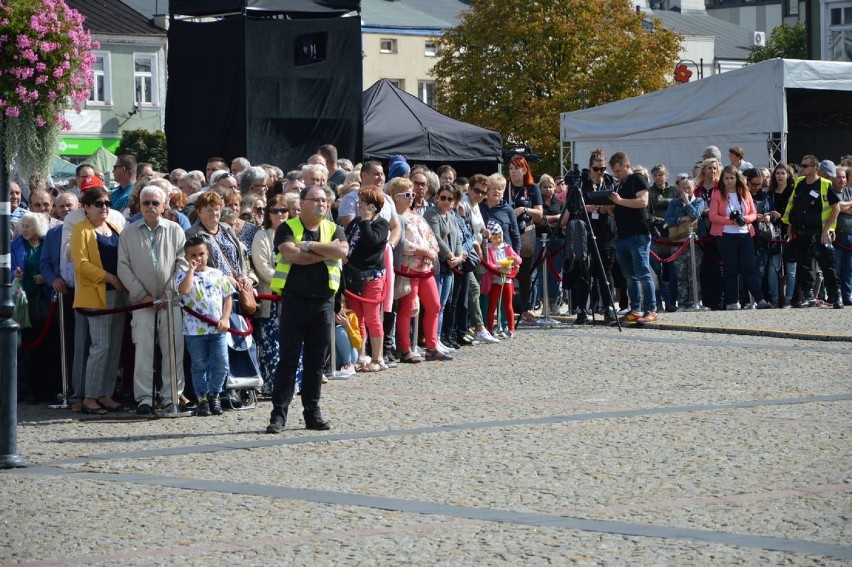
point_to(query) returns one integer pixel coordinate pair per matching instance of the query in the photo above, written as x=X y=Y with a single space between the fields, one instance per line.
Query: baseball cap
x=90 y=182
x=827 y=166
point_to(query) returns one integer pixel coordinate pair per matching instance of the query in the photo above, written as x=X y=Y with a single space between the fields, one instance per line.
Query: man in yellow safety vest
x=307 y=277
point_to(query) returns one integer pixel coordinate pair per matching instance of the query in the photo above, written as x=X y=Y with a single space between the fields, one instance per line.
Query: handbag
x=355 y=278
x=680 y=232
x=471 y=263
x=401 y=286
x=528 y=242
x=248 y=302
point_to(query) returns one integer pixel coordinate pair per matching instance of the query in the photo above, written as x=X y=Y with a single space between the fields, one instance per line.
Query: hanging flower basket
x=45 y=69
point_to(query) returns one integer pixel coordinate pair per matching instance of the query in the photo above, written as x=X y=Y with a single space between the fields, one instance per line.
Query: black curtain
x=819 y=123
x=268 y=89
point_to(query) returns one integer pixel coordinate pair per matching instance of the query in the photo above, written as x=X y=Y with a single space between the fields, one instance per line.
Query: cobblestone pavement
x=564 y=446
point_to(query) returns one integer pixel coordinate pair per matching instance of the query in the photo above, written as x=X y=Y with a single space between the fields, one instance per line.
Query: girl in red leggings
x=501 y=264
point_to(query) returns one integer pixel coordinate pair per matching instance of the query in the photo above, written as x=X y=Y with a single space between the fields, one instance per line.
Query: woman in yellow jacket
x=94 y=251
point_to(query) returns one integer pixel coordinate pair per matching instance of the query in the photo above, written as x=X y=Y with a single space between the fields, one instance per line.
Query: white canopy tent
x=746 y=107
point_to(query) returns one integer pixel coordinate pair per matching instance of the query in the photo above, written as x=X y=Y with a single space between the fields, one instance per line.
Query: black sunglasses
x=277 y=211
x=597 y=169
x=101 y=204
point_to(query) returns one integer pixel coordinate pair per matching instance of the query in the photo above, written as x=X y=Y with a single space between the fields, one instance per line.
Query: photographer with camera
x=732 y=213
x=524 y=196
x=603 y=225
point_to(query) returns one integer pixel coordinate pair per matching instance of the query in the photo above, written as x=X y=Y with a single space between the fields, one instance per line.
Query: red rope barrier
x=556 y=275
x=51 y=314
x=214 y=323
x=365 y=300
x=842 y=247
x=674 y=256
x=414 y=275
x=117 y=310
x=268 y=296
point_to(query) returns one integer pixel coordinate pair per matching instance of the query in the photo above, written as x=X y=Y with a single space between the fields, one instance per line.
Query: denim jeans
x=843 y=263
x=209 y=354
x=444 y=279
x=768 y=266
x=554 y=288
x=632 y=253
x=345 y=353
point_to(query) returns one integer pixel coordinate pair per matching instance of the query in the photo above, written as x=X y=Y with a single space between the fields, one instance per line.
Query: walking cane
x=63 y=362
x=175 y=410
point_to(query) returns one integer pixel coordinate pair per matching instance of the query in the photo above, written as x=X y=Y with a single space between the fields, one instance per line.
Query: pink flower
x=40 y=121
x=13 y=111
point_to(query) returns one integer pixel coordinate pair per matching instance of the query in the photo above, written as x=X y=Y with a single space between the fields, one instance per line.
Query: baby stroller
x=244 y=379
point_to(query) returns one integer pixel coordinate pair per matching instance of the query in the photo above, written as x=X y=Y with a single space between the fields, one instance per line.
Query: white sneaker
x=346 y=370
x=444 y=349
x=484 y=336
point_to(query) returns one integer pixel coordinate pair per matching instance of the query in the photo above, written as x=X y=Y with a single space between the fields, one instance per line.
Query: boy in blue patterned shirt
x=207 y=291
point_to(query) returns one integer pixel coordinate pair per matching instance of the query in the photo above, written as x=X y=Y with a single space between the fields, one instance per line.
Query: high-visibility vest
x=825 y=213
x=282 y=268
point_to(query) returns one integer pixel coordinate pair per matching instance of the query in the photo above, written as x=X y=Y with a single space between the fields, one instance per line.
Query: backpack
x=576 y=246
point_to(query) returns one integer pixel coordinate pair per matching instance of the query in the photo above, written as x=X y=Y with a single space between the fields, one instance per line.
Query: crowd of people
x=403 y=265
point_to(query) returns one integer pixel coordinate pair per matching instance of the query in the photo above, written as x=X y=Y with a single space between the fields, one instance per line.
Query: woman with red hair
x=524 y=196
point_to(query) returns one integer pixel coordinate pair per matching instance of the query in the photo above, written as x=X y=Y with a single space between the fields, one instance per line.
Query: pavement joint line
x=680 y=341
x=172 y=552
x=774 y=333
x=451 y=427
x=437 y=509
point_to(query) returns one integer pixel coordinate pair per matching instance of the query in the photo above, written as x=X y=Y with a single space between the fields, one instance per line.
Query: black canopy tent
x=396 y=122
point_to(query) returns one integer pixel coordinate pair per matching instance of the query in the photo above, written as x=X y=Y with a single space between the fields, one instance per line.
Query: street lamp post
x=8 y=330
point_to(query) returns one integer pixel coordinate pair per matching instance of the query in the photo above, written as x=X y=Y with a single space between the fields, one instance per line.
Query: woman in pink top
x=731 y=214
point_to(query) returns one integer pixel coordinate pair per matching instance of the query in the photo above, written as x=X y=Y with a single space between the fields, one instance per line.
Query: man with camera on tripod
x=603 y=226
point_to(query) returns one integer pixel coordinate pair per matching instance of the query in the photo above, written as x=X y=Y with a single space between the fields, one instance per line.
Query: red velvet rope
x=556 y=275
x=365 y=300
x=128 y=309
x=214 y=323
x=842 y=247
x=51 y=314
x=414 y=275
x=674 y=256
x=268 y=297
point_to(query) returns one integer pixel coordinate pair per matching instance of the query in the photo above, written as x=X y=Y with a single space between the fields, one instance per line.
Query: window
x=431 y=49
x=387 y=45
x=840 y=33
x=145 y=79
x=100 y=93
x=426 y=92
x=398 y=83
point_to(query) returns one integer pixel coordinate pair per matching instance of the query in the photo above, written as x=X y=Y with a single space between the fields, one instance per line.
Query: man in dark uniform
x=307 y=277
x=811 y=217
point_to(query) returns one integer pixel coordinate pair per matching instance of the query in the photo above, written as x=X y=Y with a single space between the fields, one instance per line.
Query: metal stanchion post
x=174 y=410
x=335 y=374
x=545 y=320
x=696 y=302
x=63 y=362
x=414 y=348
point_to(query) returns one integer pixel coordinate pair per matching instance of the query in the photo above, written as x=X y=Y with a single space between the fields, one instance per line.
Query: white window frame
x=398 y=83
x=107 y=76
x=430 y=48
x=422 y=91
x=827 y=28
x=154 y=95
x=392 y=45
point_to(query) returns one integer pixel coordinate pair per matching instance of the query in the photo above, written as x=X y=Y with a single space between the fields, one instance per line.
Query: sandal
x=409 y=357
x=93 y=411
x=374 y=367
x=112 y=409
x=438 y=355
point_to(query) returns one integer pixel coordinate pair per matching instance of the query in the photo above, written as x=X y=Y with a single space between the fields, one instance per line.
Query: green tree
x=786 y=41
x=147 y=146
x=515 y=66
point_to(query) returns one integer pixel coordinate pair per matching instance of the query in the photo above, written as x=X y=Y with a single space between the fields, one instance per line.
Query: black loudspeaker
x=272 y=90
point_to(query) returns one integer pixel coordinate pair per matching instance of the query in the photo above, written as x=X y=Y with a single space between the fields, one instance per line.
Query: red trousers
x=508 y=290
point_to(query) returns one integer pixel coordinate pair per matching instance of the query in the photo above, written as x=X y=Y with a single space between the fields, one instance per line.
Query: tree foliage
x=515 y=66
x=147 y=146
x=787 y=41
